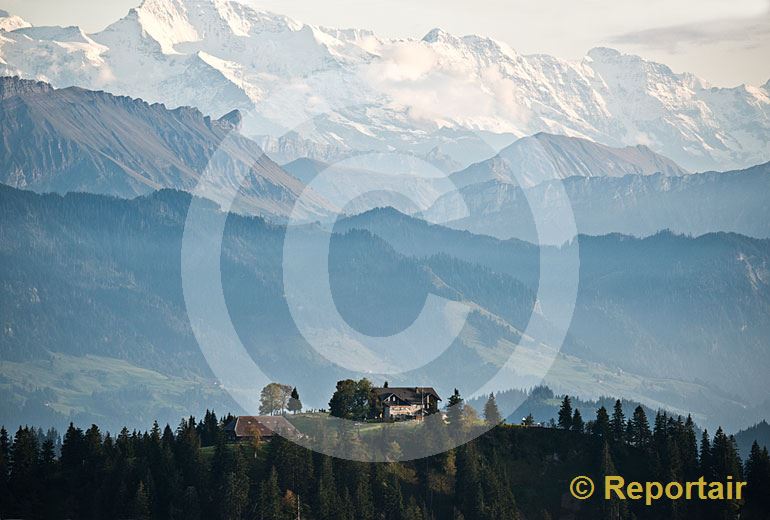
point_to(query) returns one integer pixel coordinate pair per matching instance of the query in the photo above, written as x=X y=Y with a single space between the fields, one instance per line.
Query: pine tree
x=219 y=467
x=689 y=447
x=392 y=498
x=5 y=453
x=295 y=405
x=639 y=429
x=187 y=454
x=347 y=510
x=270 y=497
x=191 y=508
x=455 y=408
x=610 y=509
x=235 y=489
x=618 y=422
x=577 y=422
x=208 y=429
x=725 y=456
x=326 y=492
x=47 y=472
x=601 y=425
x=413 y=511
x=565 y=414
x=491 y=412
x=73 y=449
x=47 y=455
x=498 y=501
x=468 y=480
x=706 y=464
x=168 y=436
x=155 y=433
x=293 y=464
x=23 y=481
x=364 y=504
x=660 y=432
x=758 y=478
x=140 y=506
x=725 y=463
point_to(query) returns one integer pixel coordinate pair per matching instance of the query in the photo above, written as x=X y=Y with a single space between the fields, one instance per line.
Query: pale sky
x=725 y=43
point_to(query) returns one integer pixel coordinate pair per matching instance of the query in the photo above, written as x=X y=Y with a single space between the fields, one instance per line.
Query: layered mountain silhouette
x=672 y=321
x=532 y=160
x=648 y=288
x=638 y=205
x=73 y=139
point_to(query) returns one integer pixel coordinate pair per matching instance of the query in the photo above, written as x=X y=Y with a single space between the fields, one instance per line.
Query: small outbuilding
x=247 y=427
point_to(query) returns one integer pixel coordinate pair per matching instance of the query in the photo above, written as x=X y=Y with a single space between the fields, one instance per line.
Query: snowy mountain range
x=9 y=22
x=328 y=94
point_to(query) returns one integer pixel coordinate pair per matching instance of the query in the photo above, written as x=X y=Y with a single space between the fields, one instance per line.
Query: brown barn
x=246 y=427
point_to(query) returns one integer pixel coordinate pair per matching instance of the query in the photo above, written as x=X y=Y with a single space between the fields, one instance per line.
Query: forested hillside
x=508 y=473
x=666 y=305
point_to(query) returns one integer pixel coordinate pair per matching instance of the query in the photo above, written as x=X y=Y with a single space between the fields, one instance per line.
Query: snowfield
x=330 y=93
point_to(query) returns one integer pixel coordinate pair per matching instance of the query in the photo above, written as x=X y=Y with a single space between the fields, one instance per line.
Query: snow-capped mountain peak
x=71 y=34
x=438 y=35
x=166 y=21
x=9 y=22
x=332 y=93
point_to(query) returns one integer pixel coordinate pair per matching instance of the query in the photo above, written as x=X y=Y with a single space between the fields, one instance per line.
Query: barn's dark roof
x=266 y=425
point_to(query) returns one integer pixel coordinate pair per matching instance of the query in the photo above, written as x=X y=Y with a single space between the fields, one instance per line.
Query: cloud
x=738 y=33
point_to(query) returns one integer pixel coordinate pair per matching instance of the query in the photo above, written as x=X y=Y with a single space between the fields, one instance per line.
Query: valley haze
x=105 y=136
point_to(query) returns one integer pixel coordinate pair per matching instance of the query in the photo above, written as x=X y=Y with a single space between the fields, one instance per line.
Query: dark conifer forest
x=510 y=472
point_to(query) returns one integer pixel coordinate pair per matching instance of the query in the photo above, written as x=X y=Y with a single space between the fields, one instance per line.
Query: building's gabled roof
x=408 y=395
x=265 y=425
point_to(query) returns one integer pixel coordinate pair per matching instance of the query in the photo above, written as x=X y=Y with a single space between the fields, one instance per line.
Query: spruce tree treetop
x=491 y=412
x=601 y=425
x=565 y=414
x=577 y=422
x=295 y=405
x=639 y=429
x=618 y=422
x=455 y=408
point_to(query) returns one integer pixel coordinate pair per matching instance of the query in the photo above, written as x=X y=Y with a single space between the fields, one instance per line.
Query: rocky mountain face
x=78 y=140
x=452 y=101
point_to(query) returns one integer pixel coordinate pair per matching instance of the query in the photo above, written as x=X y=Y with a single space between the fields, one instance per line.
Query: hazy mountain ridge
x=654 y=306
x=79 y=140
x=760 y=433
x=639 y=205
x=543 y=157
x=117 y=265
x=221 y=55
x=356 y=188
x=115 y=293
